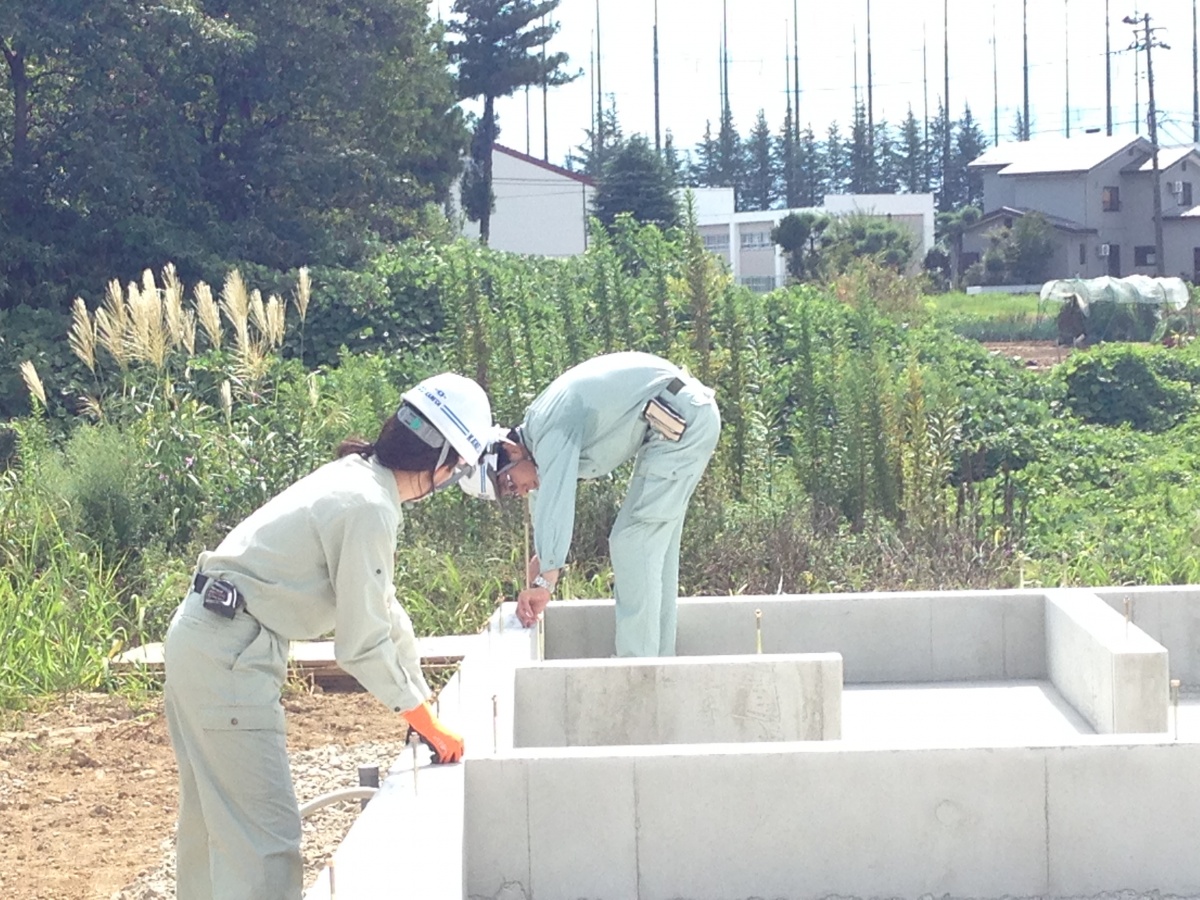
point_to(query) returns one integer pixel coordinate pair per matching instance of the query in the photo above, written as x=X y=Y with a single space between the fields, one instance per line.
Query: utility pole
x=545 y=104
x=1107 y=72
x=870 y=93
x=796 y=65
x=1147 y=42
x=1025 y=50
x=995 y=83
x=1195 y=77
x=1067 y=63
x=657 y=127
x=946 y=186
x=598 y=157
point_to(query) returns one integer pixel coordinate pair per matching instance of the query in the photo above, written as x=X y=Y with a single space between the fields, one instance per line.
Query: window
x=1185 y=195
x=1144 y=256
x=1083 y=254
x=755 y=240
x=760 y=284
x=717 y=243
x=1110 y=199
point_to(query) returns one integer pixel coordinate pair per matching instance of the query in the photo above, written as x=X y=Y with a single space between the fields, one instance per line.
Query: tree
x=859 y=236
x=671 y=158
x=591 y=155
x=761 y=180
x=935 y=158
x=149 y=131
x=964 y=187
x=786 y=161
x=951 y=227
x=835 y=162
x=887 y=160
x=913 y=166
x=705 y=169
x=636 y=181
x=1029 y=248
x=730 y=170
x=862 y=163
x=799 y=236
x=493 y=53
x=810 y=190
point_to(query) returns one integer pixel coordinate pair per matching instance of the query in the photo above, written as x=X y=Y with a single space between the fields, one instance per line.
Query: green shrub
x=1149 y=388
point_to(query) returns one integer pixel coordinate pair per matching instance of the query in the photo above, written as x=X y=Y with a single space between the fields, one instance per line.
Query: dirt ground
x=88 y=786
x=1032 y=354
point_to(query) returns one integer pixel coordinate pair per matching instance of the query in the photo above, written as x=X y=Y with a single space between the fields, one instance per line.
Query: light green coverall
x=584 y=425
x=317 y=557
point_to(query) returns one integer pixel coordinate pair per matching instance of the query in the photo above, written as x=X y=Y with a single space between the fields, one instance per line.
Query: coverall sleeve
x=554 y=505
x=374 y=638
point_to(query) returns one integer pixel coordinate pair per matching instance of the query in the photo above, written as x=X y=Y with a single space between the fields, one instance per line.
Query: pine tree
x=969 y=144
x=936 y=178
x=835 y=162
x=913 y=168
x=761 y=173
x=887 y=160
x=704 y=170
x=730 y=169
x=671 y=159
x=495 y=59
x=862 y=166
x=590 y=158
x=810 y=189
x=636 y=181
x=786 y=162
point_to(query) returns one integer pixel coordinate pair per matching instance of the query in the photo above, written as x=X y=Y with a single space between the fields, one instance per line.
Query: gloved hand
x=447 y=746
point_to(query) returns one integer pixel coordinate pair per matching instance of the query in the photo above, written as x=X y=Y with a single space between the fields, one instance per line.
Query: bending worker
x=319 y=556
x=590 y=420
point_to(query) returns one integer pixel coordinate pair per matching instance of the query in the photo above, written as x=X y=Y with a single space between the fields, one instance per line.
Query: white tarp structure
x=1160 y=292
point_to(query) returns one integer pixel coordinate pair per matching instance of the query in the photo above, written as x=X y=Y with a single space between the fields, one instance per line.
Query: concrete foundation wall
x=1170 y=615
x=883 y=638
x=805 y=821
x=731 y=699
x=1109 y=670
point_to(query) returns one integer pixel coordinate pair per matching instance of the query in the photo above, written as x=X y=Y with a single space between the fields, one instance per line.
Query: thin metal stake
x=495 y=730
x=758 y=629
x=1175 y=704
x=332 y=883
x=1128 y=614
x=414 y=744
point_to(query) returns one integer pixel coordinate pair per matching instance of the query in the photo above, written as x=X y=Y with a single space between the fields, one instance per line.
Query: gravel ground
x=315 y=772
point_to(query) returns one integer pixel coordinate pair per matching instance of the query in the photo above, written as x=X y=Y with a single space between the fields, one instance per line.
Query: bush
x=1149 y=388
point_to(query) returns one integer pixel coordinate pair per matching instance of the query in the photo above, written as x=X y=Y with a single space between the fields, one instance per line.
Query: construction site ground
x=88 y=792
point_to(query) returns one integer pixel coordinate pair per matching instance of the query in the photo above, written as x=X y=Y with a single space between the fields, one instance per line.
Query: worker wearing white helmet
x=590 y=420
x=318 y=557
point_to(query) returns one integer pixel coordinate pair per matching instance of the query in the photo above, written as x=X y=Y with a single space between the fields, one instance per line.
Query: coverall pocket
x=652 y=498
x=242 y=718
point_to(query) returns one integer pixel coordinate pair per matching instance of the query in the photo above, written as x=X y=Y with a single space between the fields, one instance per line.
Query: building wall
x=538 y=210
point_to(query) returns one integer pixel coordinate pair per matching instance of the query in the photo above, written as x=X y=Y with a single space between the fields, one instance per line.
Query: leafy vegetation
x=865 y=444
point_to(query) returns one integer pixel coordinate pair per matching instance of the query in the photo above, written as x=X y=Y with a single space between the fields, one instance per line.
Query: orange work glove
x=447 y=746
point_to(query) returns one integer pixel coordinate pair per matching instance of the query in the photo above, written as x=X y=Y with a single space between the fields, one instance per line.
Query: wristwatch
x=541 y=582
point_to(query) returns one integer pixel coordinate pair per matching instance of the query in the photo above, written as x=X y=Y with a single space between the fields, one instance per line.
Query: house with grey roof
x=1097 y=194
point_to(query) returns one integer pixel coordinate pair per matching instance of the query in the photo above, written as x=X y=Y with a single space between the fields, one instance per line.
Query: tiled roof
x=1049 y=155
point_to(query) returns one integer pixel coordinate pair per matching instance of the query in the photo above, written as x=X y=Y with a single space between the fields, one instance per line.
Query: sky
x=760 y=33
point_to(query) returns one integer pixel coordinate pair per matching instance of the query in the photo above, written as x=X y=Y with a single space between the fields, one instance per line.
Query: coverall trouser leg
x=644 y=543
x=239 y=824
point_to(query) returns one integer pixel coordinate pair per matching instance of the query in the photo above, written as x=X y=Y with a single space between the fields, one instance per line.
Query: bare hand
x=531 y=602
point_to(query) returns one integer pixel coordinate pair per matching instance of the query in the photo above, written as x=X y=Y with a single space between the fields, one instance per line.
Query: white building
x=760 y=264
x=541 y=209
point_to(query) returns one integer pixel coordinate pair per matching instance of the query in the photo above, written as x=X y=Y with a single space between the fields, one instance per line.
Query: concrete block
x=1113 y=673
x=1123 y=817
x=574 y=855
x=496 y=836
x=814 y=822
x=679 y=700
x=1170 y=614
x=986 y=636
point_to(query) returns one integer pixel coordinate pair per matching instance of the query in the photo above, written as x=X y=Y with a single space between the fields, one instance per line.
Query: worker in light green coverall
x=317 y=557
x=586 y=423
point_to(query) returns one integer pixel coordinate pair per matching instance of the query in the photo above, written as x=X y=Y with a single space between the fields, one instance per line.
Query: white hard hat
x=459 y=409
x=480 y=480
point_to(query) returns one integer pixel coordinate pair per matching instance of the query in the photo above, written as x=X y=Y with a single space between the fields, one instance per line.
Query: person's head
x=507 y=470
x=440 y=430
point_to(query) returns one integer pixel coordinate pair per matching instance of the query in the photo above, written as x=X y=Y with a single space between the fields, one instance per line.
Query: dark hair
x=502 y=458
x=398 y=448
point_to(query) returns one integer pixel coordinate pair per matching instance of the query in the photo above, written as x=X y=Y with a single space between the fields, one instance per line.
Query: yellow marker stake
x=758 y=630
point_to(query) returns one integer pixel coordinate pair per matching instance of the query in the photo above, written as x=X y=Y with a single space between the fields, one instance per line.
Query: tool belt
x=662 y=418
x=218 y=596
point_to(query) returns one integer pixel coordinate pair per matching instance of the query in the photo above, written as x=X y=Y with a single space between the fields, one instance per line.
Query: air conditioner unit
x=1103 y=249
x=1176 y=187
